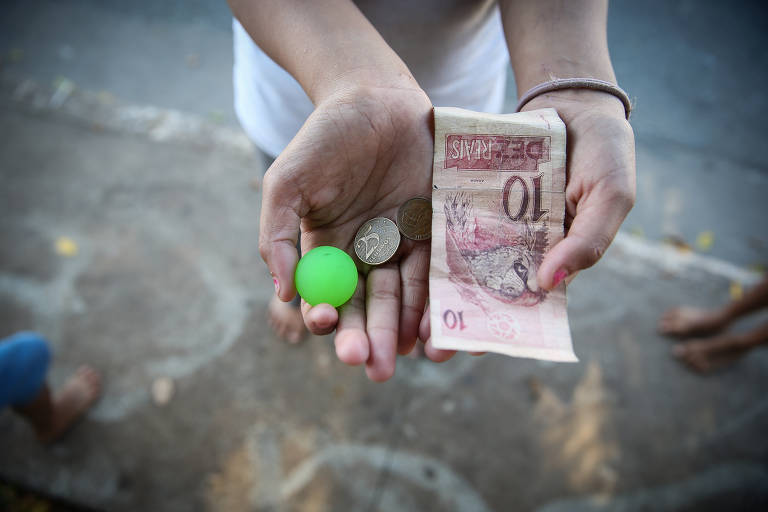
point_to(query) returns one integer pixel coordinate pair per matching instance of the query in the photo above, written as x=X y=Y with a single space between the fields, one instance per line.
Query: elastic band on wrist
x=577 y=83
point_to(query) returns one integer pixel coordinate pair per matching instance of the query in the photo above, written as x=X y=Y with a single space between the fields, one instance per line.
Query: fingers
x=437 y=355
x=320 y=319
x=434 y=354
x=352 y=346
x=279 y=232
x=382 y=310
x=424 y=326
x=414 y=289
x=600 y=193
x=590 y=234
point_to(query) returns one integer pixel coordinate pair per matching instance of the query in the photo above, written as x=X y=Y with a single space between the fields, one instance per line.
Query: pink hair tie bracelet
x=577 y=83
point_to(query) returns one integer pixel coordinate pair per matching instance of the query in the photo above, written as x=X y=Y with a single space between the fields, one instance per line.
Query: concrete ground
x=128 y=232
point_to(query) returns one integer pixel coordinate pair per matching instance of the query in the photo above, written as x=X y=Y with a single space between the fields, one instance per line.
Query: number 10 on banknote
x=498 y=203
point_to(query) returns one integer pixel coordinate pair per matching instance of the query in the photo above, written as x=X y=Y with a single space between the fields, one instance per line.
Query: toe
x=90 y=377
x=668 y=325
x=698 y=362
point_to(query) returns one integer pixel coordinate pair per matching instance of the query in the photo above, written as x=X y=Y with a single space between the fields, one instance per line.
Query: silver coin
x=377 y=240
x=414 y=218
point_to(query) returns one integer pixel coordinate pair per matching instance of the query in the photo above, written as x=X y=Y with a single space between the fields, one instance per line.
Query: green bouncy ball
x=326 y=275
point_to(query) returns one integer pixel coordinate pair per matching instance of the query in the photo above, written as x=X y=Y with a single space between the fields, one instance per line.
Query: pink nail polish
x=559 y=276
x=277 y=285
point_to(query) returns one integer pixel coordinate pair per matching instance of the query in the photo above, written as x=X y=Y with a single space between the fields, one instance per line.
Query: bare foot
x=704 y=355
x=70 y=403
x=684 y=321
x=285 y=319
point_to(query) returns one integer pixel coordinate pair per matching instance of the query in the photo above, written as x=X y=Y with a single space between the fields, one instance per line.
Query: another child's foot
x=704 y=355
x=684 y=321
x=69 y=404
x=285 y=320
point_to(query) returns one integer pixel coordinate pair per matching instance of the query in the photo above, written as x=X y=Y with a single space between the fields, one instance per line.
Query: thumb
x=279 y=231
x=591 y=232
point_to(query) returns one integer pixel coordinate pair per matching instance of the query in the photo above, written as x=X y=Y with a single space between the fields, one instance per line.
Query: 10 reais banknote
x=498 y=204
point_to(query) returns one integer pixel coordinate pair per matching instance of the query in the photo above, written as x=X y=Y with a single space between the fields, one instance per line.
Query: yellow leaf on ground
x=736 y=290
x=705 y=240
x=65 y=246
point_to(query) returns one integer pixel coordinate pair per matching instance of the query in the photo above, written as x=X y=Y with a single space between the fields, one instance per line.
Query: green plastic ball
x=326 y=275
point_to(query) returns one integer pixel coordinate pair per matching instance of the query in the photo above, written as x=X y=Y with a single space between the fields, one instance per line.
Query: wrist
x=571 y=103
x=379 y=97
x=361 y=81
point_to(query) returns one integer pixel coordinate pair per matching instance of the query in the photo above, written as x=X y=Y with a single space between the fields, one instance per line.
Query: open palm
x=361 y=154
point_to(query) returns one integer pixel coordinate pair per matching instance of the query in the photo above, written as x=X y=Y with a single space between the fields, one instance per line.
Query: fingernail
x=277 y=285
x=559 y=276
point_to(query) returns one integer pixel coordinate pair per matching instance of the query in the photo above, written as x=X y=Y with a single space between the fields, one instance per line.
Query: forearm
x=557 y=39
x=327 y=46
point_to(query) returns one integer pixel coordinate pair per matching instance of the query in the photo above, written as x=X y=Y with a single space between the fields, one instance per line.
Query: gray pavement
x=166 y=282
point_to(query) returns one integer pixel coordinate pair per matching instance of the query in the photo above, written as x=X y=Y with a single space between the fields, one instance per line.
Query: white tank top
x=454 y=48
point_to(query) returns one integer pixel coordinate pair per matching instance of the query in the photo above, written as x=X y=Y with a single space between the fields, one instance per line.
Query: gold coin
x=414 y=218
x=377 y=240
